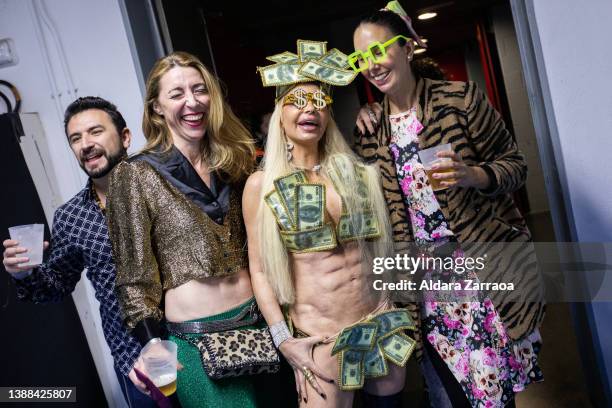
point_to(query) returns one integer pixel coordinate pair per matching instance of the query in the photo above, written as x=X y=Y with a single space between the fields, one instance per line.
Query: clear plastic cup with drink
x=159 y=358
x=429 y=157
x=30 y=237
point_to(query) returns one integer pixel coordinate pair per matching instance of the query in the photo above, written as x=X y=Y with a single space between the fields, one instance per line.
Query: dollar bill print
x=340 y=169
x=308 y=50
x=362 y=187
x=351 y=370
x=389 y=343
x=357 y=365
x=328 y=74
x=336 y=58
x=275 y=203
x=360 y=336
x=318 y=239
x=358 y=226
x=286 y=187
x=397 y=348
x=283 y=57
x=392 y=321
x=312 y=62
x=374 y=363
x=281 y=74
x=310 y=205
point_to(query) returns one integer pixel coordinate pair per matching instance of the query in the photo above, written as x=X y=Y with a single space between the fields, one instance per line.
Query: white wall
x=574 y=42
x=95 y=43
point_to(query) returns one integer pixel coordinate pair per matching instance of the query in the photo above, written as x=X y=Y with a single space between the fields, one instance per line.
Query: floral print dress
x=469 y=335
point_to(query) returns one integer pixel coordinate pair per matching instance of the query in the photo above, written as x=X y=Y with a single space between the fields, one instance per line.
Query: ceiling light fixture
x=427 y=16
x=420 y=50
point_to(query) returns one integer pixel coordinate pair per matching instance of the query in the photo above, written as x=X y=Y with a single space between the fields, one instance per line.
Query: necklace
x=315 y=169
x=97 y=198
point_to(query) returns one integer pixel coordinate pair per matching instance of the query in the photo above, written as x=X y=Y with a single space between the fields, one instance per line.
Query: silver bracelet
x=280 y=333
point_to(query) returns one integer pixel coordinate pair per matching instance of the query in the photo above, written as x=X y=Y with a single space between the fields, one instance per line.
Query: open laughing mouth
x=308 y=125
x=380 y=78
x=92 y=158
x=193 y=119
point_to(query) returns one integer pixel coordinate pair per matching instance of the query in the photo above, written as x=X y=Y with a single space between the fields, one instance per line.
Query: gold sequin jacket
x=161 y=239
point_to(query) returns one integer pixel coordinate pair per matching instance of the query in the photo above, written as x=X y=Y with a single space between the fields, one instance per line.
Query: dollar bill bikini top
x=299 y=209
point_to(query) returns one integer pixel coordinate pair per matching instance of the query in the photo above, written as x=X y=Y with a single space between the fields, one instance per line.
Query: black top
x=175 y=168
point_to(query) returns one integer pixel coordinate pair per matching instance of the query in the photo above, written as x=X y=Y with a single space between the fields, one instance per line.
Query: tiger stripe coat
x=459 y=113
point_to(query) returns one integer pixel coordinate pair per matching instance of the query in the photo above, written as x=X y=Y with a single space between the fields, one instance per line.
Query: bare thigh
x=389 y=384
x=328 y=365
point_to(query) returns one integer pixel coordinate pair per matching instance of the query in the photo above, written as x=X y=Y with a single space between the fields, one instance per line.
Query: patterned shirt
x=428 y=222
x=468 y=335
x=80 y=240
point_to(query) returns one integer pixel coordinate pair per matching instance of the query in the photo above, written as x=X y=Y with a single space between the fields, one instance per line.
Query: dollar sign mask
x=300 y=98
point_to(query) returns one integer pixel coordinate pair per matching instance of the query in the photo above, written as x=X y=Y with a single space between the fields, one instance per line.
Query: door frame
x=557 y=188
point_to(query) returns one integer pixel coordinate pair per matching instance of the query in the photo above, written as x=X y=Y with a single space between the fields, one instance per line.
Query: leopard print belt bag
x=227 y=349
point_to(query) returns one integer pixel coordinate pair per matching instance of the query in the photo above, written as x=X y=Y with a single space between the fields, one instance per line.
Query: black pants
x=451 y=385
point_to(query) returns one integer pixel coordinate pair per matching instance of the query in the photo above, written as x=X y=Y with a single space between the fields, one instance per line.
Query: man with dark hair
x=99 y=138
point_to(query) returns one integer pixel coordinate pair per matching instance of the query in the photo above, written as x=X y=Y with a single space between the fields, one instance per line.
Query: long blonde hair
x=333 y=147
x=228 y=146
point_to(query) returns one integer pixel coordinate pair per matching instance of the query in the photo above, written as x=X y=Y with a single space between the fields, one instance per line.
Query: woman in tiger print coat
x=489 y=347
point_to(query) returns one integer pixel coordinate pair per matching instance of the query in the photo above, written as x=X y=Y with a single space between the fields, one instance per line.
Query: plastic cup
x=159 y=358
x=31 y=237
x=429 y=158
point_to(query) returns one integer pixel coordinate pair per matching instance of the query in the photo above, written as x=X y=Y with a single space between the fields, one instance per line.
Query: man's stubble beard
x=111 y=162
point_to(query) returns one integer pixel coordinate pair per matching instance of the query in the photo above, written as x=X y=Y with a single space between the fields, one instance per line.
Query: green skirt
x=196 y=389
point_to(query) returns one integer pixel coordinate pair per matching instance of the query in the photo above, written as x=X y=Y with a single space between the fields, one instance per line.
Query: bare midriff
x=207 y=297
x=333 y=290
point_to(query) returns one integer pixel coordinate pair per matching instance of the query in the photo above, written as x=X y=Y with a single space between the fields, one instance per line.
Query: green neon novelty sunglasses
x=358 y=60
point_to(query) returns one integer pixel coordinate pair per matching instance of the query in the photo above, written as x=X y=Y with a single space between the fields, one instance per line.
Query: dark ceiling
x=234 y=38
x=261 y=23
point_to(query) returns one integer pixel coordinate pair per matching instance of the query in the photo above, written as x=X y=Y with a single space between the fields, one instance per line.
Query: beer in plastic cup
x=159 y=358
x=31 y=237
x=429 y=158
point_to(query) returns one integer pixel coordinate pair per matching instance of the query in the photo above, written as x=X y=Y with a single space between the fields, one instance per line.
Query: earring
x=157 y=110
x=289 y=149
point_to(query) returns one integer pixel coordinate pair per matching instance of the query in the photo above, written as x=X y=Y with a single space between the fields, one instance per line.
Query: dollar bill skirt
x=365 y=348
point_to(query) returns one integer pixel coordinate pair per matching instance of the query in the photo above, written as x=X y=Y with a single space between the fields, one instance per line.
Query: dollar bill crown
x=312 y=63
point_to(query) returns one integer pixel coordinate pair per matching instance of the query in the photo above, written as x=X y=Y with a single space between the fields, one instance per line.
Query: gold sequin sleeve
x=138 y=283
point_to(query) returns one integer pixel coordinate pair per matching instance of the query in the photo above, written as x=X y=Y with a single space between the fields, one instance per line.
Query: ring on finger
x=308 y=375
x=307 y=372
x=372 y=116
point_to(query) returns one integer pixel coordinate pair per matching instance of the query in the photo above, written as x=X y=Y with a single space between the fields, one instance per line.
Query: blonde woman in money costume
x=315 y=217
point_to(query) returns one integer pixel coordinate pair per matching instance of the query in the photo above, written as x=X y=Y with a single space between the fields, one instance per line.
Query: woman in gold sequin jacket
x=175 y=223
